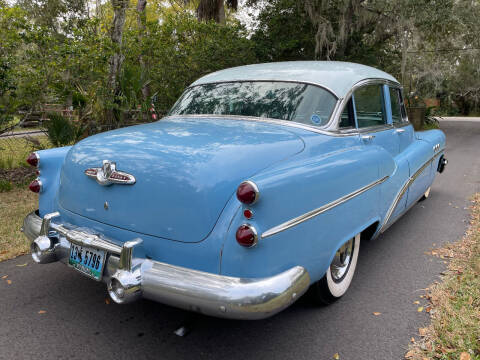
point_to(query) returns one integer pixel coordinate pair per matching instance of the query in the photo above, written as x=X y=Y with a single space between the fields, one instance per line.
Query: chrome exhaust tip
x=43 y=250
x=125 y=287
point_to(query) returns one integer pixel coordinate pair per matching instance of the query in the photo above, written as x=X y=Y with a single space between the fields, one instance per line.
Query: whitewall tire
x=339 y=275
x=426 y=194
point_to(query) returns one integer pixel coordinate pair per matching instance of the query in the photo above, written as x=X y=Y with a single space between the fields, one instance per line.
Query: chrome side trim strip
x=298 y=220
x=402 y=192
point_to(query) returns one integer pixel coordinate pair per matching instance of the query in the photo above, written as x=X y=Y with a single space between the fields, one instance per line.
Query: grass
x=454 y=332
x=14 y=205
x=14 y=151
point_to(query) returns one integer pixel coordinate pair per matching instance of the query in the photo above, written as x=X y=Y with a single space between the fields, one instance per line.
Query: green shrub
x=61 y=131
x=5 y=185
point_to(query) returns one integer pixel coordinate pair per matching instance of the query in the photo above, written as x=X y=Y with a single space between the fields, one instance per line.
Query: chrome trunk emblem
x=108 y=175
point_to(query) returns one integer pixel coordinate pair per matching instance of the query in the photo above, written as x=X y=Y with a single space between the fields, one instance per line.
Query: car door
x=416 y=151
x=374 y=122
x=400 y=122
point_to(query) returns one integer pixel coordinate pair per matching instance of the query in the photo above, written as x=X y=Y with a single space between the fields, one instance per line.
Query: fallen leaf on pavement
x=409 y=354
x=428 y=309
x=420 y=309
x=4 y=277
x=9 y=282
x=20 y=265
x=416 y=302
x=107 y=301
x=377 y=313
x=465 y=356
x=412 y=340
x=336 y=356
x=42 y=312
x=422 y=331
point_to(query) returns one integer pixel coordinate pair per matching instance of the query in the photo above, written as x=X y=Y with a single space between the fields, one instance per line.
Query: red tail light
x=33 y=159
x=35 y=186
x=248 y=193
x=247 y=235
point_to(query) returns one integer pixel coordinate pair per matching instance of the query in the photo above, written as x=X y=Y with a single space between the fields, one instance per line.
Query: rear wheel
x=339 y=274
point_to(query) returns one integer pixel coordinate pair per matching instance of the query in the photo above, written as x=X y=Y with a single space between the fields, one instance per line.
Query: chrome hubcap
x=341 y=261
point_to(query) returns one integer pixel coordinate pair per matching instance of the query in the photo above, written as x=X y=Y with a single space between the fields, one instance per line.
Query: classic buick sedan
x=260 y=183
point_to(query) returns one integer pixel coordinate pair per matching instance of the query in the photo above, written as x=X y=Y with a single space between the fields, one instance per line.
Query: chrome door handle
x=398 y=131
x=368 y=137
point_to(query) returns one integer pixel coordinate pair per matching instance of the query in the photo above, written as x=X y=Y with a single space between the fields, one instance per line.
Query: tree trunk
x=211 y=10
x=141 y=21
x=116 y=60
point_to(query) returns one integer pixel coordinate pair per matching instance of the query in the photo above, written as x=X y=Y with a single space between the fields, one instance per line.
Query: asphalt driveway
x=50 y=312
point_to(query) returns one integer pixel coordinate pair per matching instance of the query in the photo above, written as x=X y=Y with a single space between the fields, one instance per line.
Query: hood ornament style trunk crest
x=108 y=175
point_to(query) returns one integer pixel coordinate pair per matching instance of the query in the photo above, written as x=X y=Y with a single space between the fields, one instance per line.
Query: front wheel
x=339 y=274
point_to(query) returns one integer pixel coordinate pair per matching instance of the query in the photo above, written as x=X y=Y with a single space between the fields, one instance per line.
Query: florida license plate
x=88 y=261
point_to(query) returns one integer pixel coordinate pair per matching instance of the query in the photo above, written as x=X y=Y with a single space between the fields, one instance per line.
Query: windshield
x=302 y=103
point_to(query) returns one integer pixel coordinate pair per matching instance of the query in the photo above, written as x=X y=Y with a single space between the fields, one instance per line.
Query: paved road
x=391 y=274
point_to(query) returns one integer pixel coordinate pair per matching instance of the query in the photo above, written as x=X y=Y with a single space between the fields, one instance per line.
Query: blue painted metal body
x=187 y=169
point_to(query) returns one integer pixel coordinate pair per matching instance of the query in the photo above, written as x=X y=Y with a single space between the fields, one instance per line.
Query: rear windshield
x=302 y=103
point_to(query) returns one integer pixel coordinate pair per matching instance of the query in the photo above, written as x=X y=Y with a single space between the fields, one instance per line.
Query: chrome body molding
x=300 y=219
x=402 y=192
x=129 y=278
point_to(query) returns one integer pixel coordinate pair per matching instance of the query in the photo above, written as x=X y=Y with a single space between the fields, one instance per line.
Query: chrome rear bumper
x=129 y=278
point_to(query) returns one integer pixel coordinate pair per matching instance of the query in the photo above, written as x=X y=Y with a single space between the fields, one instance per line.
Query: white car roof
x=337 y=76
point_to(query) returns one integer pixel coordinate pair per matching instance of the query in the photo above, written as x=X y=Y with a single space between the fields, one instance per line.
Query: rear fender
x=50 y=164
x=298 y=188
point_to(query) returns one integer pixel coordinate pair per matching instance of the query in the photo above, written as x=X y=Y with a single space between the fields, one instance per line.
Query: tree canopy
x=111 y=60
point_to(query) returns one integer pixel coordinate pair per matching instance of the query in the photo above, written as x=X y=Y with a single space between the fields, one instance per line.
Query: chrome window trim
x=311 y=214
x=405 y=121
x=403 y=190
x=335 y=119
x=330 y=128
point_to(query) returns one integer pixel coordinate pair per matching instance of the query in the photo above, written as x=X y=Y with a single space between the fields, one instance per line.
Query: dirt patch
x=18 y=176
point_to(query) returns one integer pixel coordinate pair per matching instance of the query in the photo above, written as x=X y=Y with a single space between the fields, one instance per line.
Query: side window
x=347 y=119
x=396 y=108
x=369 y=106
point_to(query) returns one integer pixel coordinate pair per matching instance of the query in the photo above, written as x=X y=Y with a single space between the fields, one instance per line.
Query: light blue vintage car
x=259 y=184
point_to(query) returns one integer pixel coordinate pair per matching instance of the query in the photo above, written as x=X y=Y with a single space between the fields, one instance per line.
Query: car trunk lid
x=186 y=170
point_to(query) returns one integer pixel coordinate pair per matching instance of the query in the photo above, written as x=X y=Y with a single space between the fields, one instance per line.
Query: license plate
x=88 y=261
